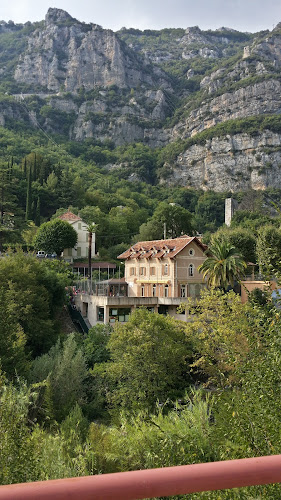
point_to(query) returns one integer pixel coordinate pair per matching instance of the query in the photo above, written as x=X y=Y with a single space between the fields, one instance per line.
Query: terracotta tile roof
x=69 y=216
x=160 y=248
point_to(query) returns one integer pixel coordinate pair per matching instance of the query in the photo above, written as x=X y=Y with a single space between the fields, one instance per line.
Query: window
x=79 y=226
x=100 y=313
x=78 y=251
x=120 y=314
x=132 y=271
x=165 y=269
x=166 y=291
x=142 y=290
x=183 y=291
x=87 y=237
x=191 y=270
x=154 y=291
x=191 y=251
x=152 y=271
x=142 y=271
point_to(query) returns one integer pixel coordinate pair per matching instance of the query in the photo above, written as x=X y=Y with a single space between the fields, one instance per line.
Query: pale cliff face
x=69 y=55
x=232 y=163
x=155 y=87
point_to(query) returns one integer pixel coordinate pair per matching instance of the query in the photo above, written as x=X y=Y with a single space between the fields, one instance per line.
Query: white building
x=81 y=249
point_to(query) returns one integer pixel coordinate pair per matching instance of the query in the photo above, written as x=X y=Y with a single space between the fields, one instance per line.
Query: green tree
x=241 y=238
x=30 y=453
x=209 y=212
x=55 y=236
x=164 y=439
x=219 y=328
x=28 y=210
x=268 y=250
x=13 y=359
x=249 y=415
x=95 y=344
x=37 y=212
x=142 y=369
x=36 y=293
x=94 y=213
x=65 y=368
x=250 y=220
x=8 y=201
x=29 y=233
x=223 y=266
x=174 y=219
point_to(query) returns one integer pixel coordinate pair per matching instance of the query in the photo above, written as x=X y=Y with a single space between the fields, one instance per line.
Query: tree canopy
x=223 y=266
x=55 y=236
x=142 y=369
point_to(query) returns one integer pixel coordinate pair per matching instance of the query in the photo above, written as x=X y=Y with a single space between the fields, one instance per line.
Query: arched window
x=166 y=291
x=191 y=251
x=154 y=291
x=191 y=270
x=142 y=290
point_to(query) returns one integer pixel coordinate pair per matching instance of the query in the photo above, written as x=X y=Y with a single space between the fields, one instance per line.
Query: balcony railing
x=153 y=482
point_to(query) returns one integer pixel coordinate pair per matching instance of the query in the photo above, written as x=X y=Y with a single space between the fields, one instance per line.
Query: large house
x=81 y=249
x=159 y=275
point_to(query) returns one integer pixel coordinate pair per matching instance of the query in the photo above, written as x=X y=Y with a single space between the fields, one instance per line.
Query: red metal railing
x=153 y=482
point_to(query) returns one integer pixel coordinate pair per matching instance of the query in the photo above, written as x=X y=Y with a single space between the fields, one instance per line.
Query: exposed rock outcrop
x=261 y=98
x=232 y=163
x=69 y=55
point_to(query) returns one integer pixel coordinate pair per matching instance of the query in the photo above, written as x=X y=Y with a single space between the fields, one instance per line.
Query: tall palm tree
x=91 y=228
x=223 y=266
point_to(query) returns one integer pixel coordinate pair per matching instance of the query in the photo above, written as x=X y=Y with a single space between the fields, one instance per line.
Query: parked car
x=40 y=254
x=51 y=255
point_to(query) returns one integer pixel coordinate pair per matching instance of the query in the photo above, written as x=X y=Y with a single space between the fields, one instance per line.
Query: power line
x=24 y=106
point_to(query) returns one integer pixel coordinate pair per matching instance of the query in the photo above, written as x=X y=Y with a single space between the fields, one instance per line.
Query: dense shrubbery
x=147 y=412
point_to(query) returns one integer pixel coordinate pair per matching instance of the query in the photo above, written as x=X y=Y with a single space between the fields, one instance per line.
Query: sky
x=243 y=15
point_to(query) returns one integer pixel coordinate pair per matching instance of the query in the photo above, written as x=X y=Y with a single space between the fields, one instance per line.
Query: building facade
x=159 y=275
x=81 y=249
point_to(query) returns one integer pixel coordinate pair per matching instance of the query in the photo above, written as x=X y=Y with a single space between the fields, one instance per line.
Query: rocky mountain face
x=231 y=163
x=67 y=55
x=155 y=87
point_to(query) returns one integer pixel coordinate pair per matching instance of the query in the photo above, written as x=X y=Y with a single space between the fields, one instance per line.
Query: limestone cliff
x=67 y=55
x=251 y=100
x=232 y=163
x=153 y=86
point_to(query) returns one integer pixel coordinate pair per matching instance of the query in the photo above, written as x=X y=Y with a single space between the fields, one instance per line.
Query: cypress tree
x=28 y=210
x=37 y=212
x=35 y=168
x=24 y=167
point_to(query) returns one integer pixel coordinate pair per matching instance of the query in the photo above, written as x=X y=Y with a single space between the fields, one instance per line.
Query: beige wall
x=172 y=272
x=81 y=249
x=249 y=286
